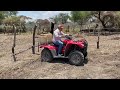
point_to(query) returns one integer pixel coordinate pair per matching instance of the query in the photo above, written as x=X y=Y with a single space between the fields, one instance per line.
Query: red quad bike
x=75 y=51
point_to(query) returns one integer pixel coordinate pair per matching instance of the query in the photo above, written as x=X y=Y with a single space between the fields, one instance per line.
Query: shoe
x=59 y=55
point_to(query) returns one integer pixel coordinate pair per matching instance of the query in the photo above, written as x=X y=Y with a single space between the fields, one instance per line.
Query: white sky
x=41 y=14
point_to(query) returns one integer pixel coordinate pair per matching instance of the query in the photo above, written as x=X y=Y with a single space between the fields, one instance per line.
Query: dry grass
x=104 y=63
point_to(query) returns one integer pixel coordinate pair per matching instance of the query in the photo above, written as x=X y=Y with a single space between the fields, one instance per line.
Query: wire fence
x=1 y=43
x=90 y=31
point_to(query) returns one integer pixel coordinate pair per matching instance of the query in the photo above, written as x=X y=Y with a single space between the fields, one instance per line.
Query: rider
x=57 y=35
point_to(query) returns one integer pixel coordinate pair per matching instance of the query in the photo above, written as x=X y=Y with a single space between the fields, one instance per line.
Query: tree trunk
x=73 y=26
x=81 y=27
x=102 y=22
x=68 y=28
x=4 y=29
x=24 y=28
x=104 y=28
x=39 y=29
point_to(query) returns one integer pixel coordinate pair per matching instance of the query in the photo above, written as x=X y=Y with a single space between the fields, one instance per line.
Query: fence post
x=98 y=39
x=14 y=43
x=38 y=46
x=33 y=47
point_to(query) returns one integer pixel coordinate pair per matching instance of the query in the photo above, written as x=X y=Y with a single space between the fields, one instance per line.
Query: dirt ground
x=104 y=63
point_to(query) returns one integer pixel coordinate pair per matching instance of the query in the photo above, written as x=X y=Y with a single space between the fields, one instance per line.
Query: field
x=104 y=63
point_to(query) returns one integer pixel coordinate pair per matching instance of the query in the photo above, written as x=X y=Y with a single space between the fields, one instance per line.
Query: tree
x=80 y=16
x=1 y=17
x=42 y=24
x=9 y=21
x=56 y=19
x=18 y=21
x=46 y=25
x=61 y=18
x=23 y=22
x=10 y=13
x=105 y=17
x=30 y=25
x=39 y=24
x=5 y=14
x=117 y=19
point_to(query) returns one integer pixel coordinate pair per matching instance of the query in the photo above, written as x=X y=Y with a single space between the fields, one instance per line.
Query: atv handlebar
x=68 y=37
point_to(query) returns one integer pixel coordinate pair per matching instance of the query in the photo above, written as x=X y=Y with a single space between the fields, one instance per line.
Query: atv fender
x=51 y=48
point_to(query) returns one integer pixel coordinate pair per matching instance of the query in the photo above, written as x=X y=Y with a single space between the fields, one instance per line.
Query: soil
x=104 y=63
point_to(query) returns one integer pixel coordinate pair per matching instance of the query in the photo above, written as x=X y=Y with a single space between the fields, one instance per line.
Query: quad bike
x=75 y=51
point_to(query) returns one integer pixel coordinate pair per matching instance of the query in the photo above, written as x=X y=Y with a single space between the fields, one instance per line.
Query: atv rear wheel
x=76 y=58
x=46 y=55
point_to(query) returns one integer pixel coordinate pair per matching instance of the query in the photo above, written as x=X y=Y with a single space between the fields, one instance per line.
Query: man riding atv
x=57 y=35
x=75 y=51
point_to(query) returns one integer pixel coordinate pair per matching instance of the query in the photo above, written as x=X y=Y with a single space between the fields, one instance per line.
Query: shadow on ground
x=66 y=61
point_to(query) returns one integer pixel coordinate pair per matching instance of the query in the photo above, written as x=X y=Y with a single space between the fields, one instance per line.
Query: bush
x=1 y=28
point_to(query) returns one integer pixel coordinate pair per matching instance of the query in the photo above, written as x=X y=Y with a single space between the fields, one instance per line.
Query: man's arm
x=56 y=34
x=61 y=36
x=64 y=34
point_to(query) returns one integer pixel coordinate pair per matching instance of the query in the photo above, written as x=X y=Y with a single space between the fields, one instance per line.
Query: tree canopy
x=80 y=16
x=61 y=18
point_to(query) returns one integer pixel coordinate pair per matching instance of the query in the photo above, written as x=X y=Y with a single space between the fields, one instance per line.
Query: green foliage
x=30 y=24
x=1 y=17
x=80 y=16
x=1 y=28
x=11 y=20
x=56 y=19
x=75 y=16
x=117 y=19
x=5 y=14
x=106 y=18
x=61 y=17
x=64 y=17
x=10 y=13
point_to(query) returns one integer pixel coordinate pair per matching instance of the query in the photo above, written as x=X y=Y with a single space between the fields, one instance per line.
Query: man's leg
x=60 y=45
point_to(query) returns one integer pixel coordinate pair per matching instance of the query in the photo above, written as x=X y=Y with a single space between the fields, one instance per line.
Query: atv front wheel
x=46 y=55
x=76 y=58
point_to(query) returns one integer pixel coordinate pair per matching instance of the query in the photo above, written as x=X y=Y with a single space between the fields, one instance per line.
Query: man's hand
x=63 y=36
x=67 y=34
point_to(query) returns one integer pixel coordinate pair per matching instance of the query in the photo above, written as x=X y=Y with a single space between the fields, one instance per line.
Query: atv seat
x=52 y=44
x=57 y=45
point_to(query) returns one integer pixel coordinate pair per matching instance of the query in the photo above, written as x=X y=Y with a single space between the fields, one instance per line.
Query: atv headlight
x=82 y=45
x=75 y=40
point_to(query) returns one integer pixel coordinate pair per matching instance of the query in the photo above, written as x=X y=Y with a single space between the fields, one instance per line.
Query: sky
x=41 y=14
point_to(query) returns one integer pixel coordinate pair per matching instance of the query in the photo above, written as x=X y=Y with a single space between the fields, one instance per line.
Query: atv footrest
x=60 y=57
